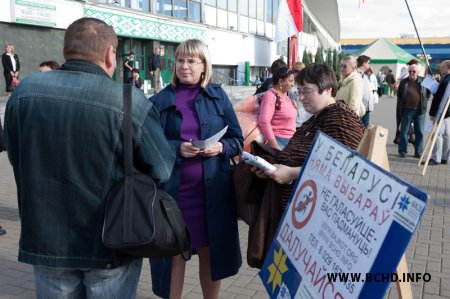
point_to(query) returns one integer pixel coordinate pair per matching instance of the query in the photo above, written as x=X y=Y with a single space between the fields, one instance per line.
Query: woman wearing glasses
x=351 y=88
x=317 y=89
x=277 y=118
x=192 y=108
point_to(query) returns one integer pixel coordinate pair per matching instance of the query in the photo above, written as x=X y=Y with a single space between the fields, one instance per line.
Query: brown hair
x=51 y=64
x=88 y=39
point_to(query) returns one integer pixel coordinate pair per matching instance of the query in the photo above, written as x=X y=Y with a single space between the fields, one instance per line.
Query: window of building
x=211 y=2
x=252 y=8
x=222 y=4
x=164 y=7
x=243 y=7
x=269 y=11
x=232 y=21
x=180 y=9
x=195 y=11
x=222 y=18
x=260 y=10
x=210 y=15
x=232 y=5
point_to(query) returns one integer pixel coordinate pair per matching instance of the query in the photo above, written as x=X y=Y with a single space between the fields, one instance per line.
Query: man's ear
x=110 y=60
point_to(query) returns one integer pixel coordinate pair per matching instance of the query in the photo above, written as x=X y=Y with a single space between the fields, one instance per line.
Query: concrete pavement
x=429 y=250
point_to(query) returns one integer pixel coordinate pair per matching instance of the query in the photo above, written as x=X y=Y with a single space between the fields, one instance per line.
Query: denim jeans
x=409 y=115
x=282 y=142
x=61 y=283
x=366 y=119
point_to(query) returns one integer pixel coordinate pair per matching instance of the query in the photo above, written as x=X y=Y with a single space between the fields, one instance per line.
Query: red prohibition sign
x=308 y=194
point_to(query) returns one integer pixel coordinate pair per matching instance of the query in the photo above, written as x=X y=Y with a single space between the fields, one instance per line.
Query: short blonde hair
x=195 y=48
x=350 y=59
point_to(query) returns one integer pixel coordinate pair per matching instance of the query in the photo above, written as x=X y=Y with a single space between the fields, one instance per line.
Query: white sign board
x=346 y=215
x=35 y=13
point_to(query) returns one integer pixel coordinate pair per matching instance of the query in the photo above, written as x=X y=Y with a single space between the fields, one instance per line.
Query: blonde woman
x=11 y=67
x=351 y=87
x=192 y=108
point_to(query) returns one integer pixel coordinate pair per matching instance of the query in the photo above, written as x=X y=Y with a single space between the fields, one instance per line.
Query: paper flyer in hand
x=206 y=144
x=430 y=83
x=258 y=162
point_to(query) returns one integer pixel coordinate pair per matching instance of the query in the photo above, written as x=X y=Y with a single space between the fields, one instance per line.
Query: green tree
x=330 y=58
x=336 y=61
x=319 y=55
x=306 y=58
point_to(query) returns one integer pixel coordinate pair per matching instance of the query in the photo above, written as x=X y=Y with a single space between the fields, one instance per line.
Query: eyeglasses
x=190 y=62
x=412 y=72
x=343 y=66
x=305 y=92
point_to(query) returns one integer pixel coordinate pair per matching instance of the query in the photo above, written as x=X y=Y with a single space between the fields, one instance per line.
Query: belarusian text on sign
x=346 y=215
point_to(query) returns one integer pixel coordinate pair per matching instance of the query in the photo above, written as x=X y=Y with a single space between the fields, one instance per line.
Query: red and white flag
x=289 y=20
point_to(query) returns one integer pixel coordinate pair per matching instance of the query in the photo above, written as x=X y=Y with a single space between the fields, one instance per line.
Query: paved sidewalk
x=429 y=250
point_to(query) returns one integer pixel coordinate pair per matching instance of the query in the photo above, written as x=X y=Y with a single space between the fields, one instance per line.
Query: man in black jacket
x=412 y=99
x=441 y=150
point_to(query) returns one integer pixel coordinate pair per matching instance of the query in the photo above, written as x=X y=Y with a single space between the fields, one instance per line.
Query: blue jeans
x=282 y=142
x=61 y=283
x=366 y=119
x=409 y=115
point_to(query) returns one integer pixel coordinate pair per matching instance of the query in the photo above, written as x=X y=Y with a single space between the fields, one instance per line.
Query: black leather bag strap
x=127 y=127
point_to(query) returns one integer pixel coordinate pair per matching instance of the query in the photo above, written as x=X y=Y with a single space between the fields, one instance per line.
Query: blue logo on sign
x=404 y=203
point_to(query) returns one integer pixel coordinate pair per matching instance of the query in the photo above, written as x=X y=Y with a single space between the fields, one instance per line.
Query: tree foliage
x=319 y=55
x=306 y=57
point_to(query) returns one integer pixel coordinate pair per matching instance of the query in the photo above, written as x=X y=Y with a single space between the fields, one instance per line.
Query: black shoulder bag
x=141 y=220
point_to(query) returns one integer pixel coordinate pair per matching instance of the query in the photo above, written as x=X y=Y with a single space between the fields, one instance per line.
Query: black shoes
x=431 y=162
x=2 y=231
x=402 y=155
x=444 y=162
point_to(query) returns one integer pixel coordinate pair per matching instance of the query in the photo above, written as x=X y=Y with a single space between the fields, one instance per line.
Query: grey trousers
x=441 y=150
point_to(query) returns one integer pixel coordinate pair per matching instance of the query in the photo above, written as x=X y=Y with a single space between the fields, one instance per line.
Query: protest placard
x=348 y=220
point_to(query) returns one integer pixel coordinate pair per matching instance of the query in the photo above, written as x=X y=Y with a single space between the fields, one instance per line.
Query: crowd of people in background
x=68 y=187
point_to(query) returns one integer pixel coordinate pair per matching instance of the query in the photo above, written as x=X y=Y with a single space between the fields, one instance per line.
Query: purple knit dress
x=191 y=197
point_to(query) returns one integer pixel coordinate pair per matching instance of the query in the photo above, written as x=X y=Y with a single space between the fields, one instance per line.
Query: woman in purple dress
x=192 y=108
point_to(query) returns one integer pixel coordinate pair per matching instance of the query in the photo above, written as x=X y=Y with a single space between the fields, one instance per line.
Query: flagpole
x=288 y=51
x=420 y=42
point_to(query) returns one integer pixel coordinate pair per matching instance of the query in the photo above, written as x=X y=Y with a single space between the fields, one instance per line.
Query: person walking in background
x=373 y=84
x=129 y=65
x=46 y=66
x=192 y=108
x=156 y=69
x=390 y=80
x=398 y=111
x=363 y=65
x=413 y=99
x=135 y=80
x=277 y=117
x=11 y=67
x=380 y=80
x=74 y=130
x=351 y=86
x=441 y=150
x=267 y=84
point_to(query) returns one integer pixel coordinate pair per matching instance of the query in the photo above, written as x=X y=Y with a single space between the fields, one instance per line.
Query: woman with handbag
x=317 y=89
x=192 y=108
x=11 y=67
